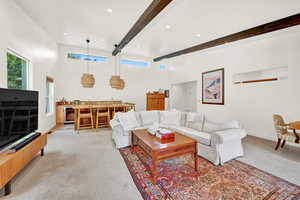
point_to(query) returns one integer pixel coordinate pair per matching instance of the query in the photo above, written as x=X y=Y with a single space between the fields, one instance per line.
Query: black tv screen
x=18 y=114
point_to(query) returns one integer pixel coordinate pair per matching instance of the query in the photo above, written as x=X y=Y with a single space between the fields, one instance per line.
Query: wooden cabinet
x=11 y=164
x=155 y=101
x=60 y=114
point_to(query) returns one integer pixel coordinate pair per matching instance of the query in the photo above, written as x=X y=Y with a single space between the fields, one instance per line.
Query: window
x=17 y=72
x=49 y=95
x=162 y=67
x=87 y=57
x=134 y=63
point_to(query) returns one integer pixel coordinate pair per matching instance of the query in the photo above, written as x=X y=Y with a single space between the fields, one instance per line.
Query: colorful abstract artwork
x=213 y=87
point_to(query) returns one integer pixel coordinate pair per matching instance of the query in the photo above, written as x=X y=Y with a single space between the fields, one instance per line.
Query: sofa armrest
x=114 y=123
x=118 y=129
x=220 y=137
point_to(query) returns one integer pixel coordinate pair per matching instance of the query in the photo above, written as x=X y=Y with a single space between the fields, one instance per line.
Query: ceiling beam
x=149 y=14
x=258 y=30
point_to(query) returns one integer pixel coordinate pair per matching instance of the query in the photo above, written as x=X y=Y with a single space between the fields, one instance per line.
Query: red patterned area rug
x=177 y=180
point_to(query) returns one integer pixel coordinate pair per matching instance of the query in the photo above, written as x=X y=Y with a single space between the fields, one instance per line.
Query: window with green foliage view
x=17 y=72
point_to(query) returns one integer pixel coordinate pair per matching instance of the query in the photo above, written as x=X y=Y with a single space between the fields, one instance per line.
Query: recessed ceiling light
x=65 y=34
x=198 y=35
x=168 y=26
x=109 y=10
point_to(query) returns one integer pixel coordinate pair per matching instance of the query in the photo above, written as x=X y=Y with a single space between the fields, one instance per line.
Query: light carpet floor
x=88 y=167
x=76 y=167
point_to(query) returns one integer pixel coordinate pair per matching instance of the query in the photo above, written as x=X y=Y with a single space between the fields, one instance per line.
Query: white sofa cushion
x=201 y=137
x=149 y=117
x=128 y=120
x=170 y=118
x=220 y=137
x=232 y=124
x=138 y=118
x=210 y=126
x=195 y=121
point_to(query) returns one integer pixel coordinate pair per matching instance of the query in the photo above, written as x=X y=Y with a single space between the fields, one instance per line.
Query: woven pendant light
x=115 y=82
x=122 y=85
x=87 y=79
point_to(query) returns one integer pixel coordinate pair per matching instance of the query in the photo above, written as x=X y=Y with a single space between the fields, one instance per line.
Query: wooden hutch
x=156 y=101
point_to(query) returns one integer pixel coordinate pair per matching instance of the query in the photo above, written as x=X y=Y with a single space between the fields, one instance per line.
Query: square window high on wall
x=49 y=95
x=17 y=71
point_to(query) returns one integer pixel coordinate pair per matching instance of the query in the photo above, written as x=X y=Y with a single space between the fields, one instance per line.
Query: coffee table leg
x=196 y=161
x=154 y=172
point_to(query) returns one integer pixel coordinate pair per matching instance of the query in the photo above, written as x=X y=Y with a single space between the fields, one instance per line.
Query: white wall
x=24 y=36
x=184 y=96
x=252 y=104
x=138 y=80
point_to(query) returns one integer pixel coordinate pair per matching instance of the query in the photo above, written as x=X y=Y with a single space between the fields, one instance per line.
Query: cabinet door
x=161 y=104
x=60 y=114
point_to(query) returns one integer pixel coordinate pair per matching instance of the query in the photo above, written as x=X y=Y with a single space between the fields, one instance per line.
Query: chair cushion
x=128 y=120
x=170 y=118
x=201 y=137
x=149 y=117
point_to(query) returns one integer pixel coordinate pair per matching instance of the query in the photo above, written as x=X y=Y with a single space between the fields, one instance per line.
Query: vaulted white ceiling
x=191 y=21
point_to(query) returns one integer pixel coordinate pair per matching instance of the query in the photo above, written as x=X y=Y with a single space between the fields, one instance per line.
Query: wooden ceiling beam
x=258 y=30
x=149 y=14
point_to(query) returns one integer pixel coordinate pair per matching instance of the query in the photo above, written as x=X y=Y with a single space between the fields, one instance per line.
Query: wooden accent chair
x=84 y=114
x=102 y=117
x=282 y=131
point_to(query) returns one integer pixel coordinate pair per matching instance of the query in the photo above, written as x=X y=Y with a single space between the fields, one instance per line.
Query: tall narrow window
x=49 y=95
x=17 y=72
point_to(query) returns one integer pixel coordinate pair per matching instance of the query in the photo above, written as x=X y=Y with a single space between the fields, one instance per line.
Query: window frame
x=104 y=58
x=49 y=97
x=27 y=61
x=148 y=64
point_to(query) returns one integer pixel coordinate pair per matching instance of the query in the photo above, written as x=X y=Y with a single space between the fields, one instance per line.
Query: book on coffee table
x=163 y=133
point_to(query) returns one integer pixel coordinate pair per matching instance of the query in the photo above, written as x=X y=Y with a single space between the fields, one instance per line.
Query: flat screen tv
x=18 y=114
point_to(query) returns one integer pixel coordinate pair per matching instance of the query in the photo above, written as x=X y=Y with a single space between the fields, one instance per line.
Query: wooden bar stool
x=118 y=108
x=83 y=115
x=102 y=117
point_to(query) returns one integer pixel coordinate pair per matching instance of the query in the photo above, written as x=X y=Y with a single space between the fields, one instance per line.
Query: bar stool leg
x=97 y=120
x=78 y=121
x=92 y=121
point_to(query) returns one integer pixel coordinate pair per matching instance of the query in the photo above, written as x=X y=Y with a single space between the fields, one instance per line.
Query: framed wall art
x=213 y=87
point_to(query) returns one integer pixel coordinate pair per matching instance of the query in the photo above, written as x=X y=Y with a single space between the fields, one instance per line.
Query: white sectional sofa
x=217 y=142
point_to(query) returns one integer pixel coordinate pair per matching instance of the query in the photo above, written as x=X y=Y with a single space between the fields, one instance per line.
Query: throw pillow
x=149 y=117
x=232 y=124
x=210 y=126
x=195 y=121
x=128 y=120
x=170 y=118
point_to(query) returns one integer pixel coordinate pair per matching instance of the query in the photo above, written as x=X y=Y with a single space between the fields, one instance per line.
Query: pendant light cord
x=88 y=55
x=116 y=62
x=119 y=64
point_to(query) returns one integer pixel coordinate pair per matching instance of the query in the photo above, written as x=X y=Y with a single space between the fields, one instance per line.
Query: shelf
x=259 y=76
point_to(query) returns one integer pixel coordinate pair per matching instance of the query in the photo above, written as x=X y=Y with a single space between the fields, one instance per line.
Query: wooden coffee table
x=158 y=151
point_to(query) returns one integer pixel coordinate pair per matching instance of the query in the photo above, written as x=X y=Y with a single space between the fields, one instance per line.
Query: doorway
x=184 y=96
